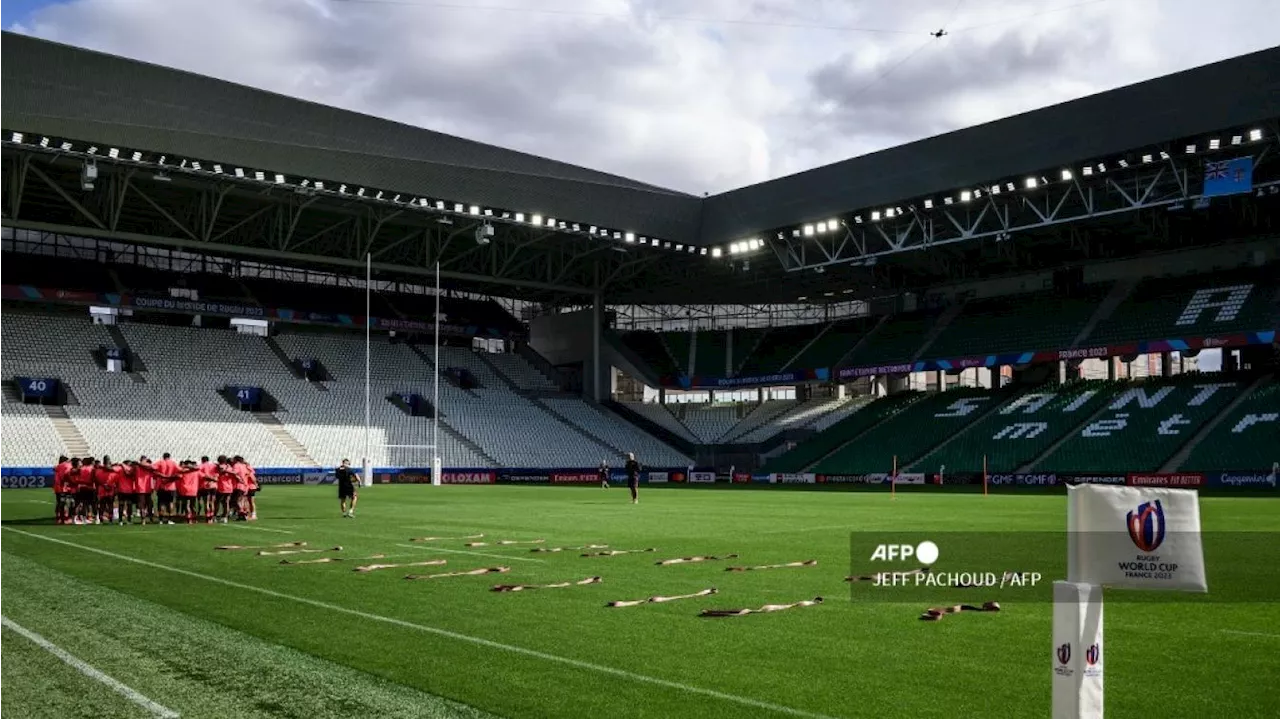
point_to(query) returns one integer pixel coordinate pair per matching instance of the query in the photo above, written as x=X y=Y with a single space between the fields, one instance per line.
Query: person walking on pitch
x=347 y=479
x=604 y=475
x=633 y=477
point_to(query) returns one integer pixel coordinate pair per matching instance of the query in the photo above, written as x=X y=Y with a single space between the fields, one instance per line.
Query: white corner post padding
x=1122 y=538
x=437 y=470
x=366 y=473
x=1077 y=651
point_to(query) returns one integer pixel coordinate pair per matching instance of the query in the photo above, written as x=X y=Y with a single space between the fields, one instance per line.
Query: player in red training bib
x=166 y=473
x=104 y=482
x=251 y=488
x=226 y=486
x=126 y=495
x=208 y=497
x=86 y=496
x=144 y=482
x=188 y=489
x=61 y=472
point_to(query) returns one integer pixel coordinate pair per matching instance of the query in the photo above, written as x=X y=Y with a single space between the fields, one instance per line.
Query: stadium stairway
x=844 y=359
x=118 y=337
x=922 y=462
x=283 y=356
x=1089 y=419
x=938 y=326
x=825 y=328
x=546 y=409
x=67 y=431
x=466 y=442
x=291 y=443
x=1180 y=458
x=1120 y=292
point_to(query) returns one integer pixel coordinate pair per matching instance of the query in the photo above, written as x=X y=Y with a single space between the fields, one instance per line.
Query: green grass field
x=210 y=633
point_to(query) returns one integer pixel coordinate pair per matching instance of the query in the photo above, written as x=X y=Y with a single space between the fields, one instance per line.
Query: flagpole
x=368 y=314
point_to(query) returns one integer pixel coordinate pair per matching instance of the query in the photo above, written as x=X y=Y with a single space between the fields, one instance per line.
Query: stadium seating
x=895 y=341
x=1144 y=425
x=762 y=414
x=1247 y=438
x=834 y=344
x=1017 y=324
x=661 y=416
x=909 y=434
x=745 y=342
x=30 y=439
x=803 y=415
x=616 y=433
x=709 y=424
x=520 y=373
x=651 y=348
x=1197 y=306
x=806 y=453
x=678 y=344
x=778 y=348
x=713 y=353
x=1022 y=429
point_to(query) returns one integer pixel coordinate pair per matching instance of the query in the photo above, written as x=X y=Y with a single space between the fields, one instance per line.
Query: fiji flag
x=1228 y=177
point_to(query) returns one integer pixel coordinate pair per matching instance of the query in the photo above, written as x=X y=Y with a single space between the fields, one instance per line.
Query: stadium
x=931 y=341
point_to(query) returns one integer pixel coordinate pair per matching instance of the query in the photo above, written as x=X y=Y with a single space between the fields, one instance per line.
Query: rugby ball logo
x=1146 y=525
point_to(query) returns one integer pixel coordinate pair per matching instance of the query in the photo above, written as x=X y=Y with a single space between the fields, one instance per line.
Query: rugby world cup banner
x=702 y=477
x=821 y=374
x=1135 y=538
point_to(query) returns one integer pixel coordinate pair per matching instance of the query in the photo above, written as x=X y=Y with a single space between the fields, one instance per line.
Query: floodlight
x=1237 y=139
x=240 y=173
x=1214 y=143
x=1009 y=186
x=945 y=201
x=218 y=170
x=715 y=251
x=644 y=241
x=44 y=142
x=928 y=205
x=17 y=137
x=279 y=177
x=1066 y=175
x=617 y=235
x=995 y=189
x=66 y=146
x=808 y=230
x=1191 y=149
x=319 y=185
x=1148 y=158
x=260 y=176
x=1087 y=170
x=113 y=153
x=563 y=225
x=536 y=220
x=1164 y=155
x=888 y=213
x=1031 y=183
x=679 y=248
x=378 y=196
x=137 y=157
x=439 y=204
x=822 y=227
x=976 y=194
x=857 y=219
x=795 y=233
x=576 y=227
x=630 y=237
x=833 y=224
x=965 y=195
x=551 y=222
x=1255 y=135
x=457 y=207
x=665 y=245
x=1123 y=164
x=475 y=210
x=519 y=217
x=703 y=252
x=93 y=149
x=875 y=215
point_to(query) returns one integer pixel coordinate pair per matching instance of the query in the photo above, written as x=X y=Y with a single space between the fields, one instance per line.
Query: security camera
x=484 y=233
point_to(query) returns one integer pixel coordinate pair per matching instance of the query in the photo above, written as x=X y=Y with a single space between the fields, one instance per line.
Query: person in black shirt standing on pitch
x=604 y=475
x=633 y=477
x=347 y=479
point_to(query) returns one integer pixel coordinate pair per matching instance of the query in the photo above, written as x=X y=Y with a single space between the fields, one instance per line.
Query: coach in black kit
x=633 y=477
x=347 y=479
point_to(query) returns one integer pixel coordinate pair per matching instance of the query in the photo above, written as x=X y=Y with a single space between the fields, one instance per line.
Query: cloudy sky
x=697 y=95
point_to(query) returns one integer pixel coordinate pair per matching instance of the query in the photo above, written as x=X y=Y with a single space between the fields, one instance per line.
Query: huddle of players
x=92 y=491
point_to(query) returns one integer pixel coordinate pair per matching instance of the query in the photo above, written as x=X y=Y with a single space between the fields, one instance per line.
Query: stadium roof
x=71 y=93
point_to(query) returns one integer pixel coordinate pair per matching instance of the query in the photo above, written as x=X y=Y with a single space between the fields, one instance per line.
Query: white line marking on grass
x=1250 y=634
x=80 y=666
x=478 y=641
x=845 y=527
x=35 y=501
x=261 y=529
x=468 y=551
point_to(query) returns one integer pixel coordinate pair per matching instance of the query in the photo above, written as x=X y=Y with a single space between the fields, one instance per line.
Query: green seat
x=1247 y=438
x=1144 y=425
x=823 y=443
x=1022 y=323
x=896 y=340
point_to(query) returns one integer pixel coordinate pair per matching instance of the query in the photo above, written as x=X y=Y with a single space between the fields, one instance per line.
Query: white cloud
x=643 y=89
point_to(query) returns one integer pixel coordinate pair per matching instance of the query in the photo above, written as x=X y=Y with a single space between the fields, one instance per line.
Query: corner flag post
x=984 y=475
x=893 y=479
